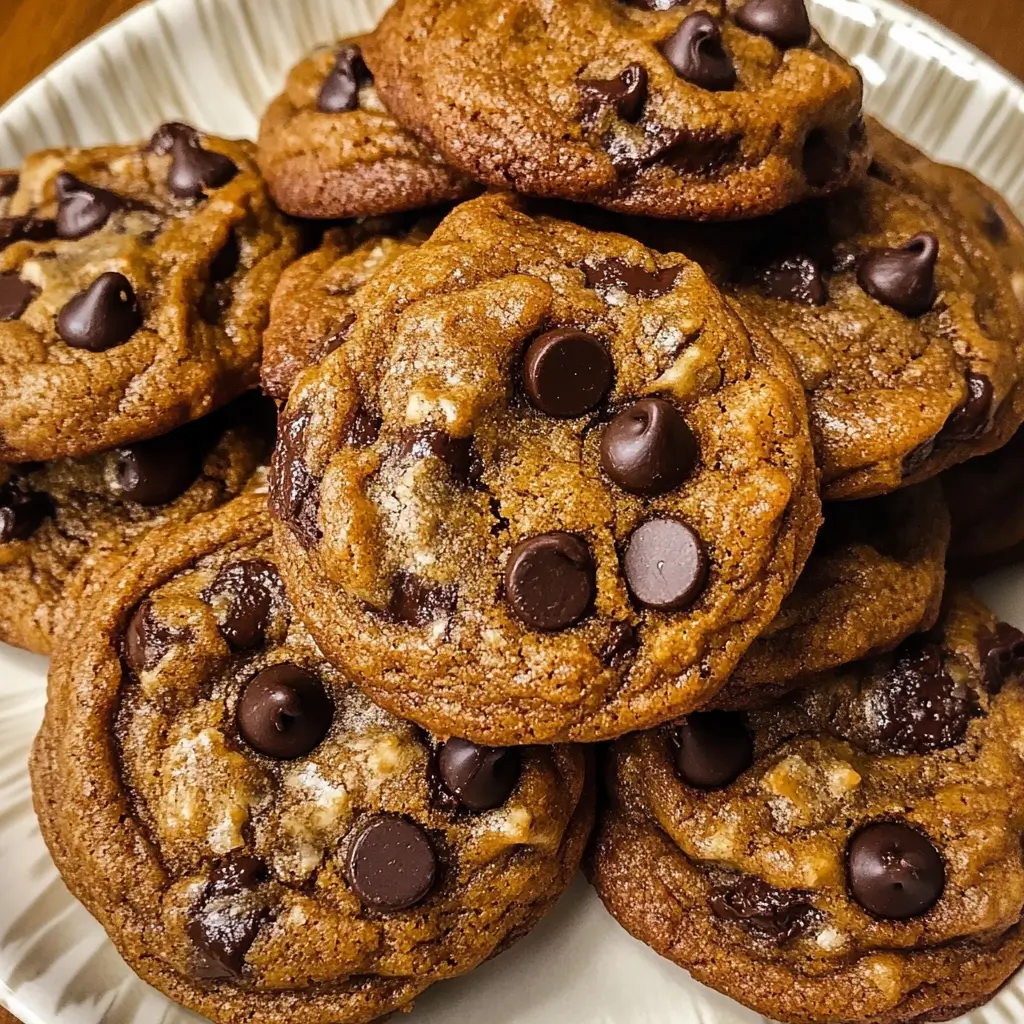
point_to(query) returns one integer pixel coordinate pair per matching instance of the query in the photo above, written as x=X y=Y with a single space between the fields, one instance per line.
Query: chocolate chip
x=615 y=275
x=567 y=373
x=235 y=875
x=22 y=512
x=294 y=491
x=655 y=5
x=696 y=53
x=621 y=647
x=340 y=92
x=825 y=158
x=284 y=712
x=103 y=316
x=418 y=602
x=82 y=209
x=627 y=93
x=1001 y=651
x=784 y=22
x=362 y=429
x=917 y=706
x=902 y=278
x=457 y=453
x=8 y=184
x=160 y=470
x=194 y=170
x=16 y=296
x=993 y=225
x=336 y=337
x=649 y=449
x=894 y=871
x=780 y=914
x=666 y=565
x=481 y=777
x=147 y=640
x=227 y=261
x=26 y=229
x=391 y=863
x=713 y=749
x=797 y=279
x=245 y=593
x=550 y=581
x=971 y=419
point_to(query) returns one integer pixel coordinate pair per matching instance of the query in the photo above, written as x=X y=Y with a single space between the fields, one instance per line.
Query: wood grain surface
x=34 y=33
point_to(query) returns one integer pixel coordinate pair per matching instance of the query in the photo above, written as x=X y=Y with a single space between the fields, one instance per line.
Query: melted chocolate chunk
x=615 y=275
x=82 y=208
x=482 y=778
x=8 y=184
x=161 y=470
x=16 y=296
x=780 y=914
x=294 y=491
x=246 y=593
x=22 y=512
x=457 y=453
x=797 y=279
x=26 y=229
x=627 y=93
x=971 y=419
x=621 y=647
x=418 y=602
x=340 y=92
x=825 y=158
x=147 y=640
x=993 y=225
x=362 y=429
x=1001 y=652
x=336 y=337
x=712 y=748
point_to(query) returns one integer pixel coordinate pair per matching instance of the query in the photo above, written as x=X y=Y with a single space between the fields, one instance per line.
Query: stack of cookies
x=627 y=386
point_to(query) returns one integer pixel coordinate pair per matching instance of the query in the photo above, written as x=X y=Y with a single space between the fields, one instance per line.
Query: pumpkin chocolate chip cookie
x=699 y=110
x=328 y=148
x=853 y=853
x=549 y=489
x=260 y=842
x=135 y=283
x=57 y=518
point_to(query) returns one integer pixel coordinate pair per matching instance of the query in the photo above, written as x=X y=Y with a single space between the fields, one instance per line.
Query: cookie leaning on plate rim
x=548 y=489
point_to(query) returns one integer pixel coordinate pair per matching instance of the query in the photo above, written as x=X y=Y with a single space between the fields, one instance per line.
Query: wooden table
x=34 y=33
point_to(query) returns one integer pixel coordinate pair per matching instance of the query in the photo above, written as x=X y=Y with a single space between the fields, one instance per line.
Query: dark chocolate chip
x=696 y=53
x=666 y=565
x=82 y=209
x=239 y=873
x=616 y=275
x=825 y=158
x=418 y=602
x=649 y=449
x=784 y=22
x=22 y=512
x=147 y=640
x=362 y=429
x=337 y=335
x=8 y=184
x=481 y=777
x=194 y=170
x=971 y=418
x=550 y=581
x=245 y=595
x=797 y=279
x=1001 y=652
x=340 y=92
x=713 y=748
x=227 y=261
x=160 y=470
x=294 y=491
x=567 y=373
x=103 y=316
x=993 y=225
x=391 y=863
x=627 y=93
x=917 y=706
x=284 y=712
x=895 y=871
x=16 y=296
x=26 y=229
x=457 y=453
x=621 y=647
x=779 y=914
x=902 y=278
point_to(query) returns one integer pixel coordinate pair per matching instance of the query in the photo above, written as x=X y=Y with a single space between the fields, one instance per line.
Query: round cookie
x=898 y=314
x=851 y=854
x=876 y=575
x=701 y=111
x=260 y=842
x=549 y=489
x=135 y=285
x=329 y=149
x=57 y=518
x=316 y=302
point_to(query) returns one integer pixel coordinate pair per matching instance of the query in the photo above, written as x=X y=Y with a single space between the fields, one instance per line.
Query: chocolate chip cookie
x=57 y=518
x=898 y=313
x=851 y=854
x=135 y=284
x=875 y=576
x=315 y=304
x=260 y=842
x=329 y=148
x=699 y=110
x=549 y=489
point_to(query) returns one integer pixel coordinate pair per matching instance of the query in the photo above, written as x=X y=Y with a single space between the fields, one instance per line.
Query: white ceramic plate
x=216 y=63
